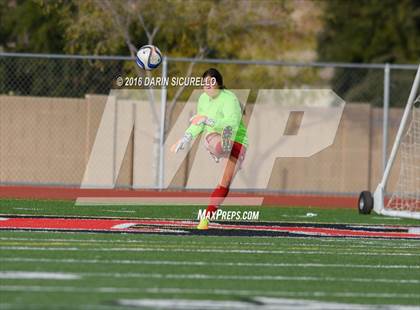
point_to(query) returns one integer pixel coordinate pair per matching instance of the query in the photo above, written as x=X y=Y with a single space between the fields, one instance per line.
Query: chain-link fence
x=51 y=107
x=76 y=76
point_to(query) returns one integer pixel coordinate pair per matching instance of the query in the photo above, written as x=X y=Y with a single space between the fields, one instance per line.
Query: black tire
x=365 y=204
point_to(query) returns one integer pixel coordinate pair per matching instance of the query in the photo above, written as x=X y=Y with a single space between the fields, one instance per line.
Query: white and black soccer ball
x=148 y=57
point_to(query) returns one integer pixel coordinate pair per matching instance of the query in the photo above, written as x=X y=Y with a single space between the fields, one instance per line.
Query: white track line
x=119 y=241
x=207 y=250
x=119 y=290
x=202 y=263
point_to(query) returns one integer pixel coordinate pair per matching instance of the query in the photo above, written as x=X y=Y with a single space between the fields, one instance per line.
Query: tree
x=244 y=29
x=197 y=29
x=26 y=26
x=366 y=31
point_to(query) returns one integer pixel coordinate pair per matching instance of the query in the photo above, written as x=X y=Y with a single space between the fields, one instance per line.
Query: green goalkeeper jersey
x=224 y=110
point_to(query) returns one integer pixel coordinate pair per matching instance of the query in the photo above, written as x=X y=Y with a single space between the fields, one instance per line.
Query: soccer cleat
x=226 y=139
x=204 y=224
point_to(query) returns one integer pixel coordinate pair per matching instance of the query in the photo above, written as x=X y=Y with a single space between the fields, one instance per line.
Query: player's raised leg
x=218 y=195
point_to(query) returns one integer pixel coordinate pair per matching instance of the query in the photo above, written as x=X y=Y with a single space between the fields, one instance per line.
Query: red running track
x=65 y=193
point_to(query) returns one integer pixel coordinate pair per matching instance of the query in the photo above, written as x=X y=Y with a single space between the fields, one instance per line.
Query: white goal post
x=404 y=200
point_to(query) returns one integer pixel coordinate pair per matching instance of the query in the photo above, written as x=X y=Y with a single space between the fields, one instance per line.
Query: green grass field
x=104 y=269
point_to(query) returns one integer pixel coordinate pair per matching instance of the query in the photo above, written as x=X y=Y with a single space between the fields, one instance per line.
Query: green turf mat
x=105 y=268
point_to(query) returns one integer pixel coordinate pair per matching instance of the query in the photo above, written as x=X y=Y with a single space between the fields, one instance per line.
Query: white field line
x=193 y=276
x=202 y=263
x=182 y=304
x=264 y=303
x=43 y=275
x=248 y=278
x=194 y=250
x=304 y=304
x=358 y=240
x=198 y=276
x=28 y=209
x=214 y=245
x=119 y=241
x=375 y=242
x=55 y=306
x=119 y=290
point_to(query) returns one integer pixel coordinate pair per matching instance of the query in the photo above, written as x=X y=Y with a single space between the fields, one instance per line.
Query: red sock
x=210 y=211
x=218 y=195
x=216 y=198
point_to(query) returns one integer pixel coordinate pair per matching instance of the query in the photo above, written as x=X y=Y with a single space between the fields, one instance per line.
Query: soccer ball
x=148 y=57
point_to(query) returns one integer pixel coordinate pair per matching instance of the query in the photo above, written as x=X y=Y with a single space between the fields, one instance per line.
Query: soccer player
x=219 y=116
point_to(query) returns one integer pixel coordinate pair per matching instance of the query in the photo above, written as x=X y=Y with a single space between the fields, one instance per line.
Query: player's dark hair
x=214 y=73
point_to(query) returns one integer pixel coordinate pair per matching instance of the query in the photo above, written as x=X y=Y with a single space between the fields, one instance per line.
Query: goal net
x=404 y=199
x=406 y=196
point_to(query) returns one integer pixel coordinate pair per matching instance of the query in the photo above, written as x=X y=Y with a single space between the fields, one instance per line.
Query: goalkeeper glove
x=180 y=145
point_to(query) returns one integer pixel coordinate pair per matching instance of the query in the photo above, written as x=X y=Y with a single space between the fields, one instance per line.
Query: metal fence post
x=162 y=123
x=385 y=115
x=115 y=145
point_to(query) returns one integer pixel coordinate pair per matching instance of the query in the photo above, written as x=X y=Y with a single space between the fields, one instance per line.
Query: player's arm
x=192 y=131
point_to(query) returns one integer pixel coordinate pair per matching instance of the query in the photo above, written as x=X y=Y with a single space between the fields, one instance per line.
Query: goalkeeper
x=219 y=115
